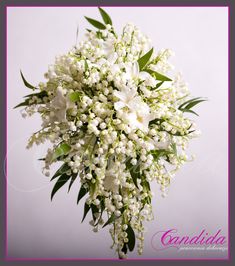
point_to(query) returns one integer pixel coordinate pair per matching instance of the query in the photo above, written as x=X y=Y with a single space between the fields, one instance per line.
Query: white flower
x=126 y=95
x=108 y=50
x=140 y=115
x=109 y=181
x=133 y=72
x=138 y=121
x=60 y=104
x=159 y=145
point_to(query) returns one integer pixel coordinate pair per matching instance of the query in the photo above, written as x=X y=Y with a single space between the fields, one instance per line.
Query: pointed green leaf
x=94 y=210
x=192 y=104
x=63 y=169
x=77 y=32
x=134 y=171
x=102 y=207
x=105 y=16
x=28 y=85
x=99 y=34
x=142 y=61
x=124 y=248
x=174 y=148
x=157 y=75
x=63 y=149
x=40 y=94
x=147 y=185
x=86 y=210
x=131 y=238
x=179 y=133
x=74 y=176
x=191 y=131
x=82 y=192
x=156 y=121
x=86 y=66
x=96 y=23
x=159 y=153
x=189 y=101
x=111 y=219
x=189 y=111
x=59 y=183
x=75 y=96
x=158 y=85
x=25 y=103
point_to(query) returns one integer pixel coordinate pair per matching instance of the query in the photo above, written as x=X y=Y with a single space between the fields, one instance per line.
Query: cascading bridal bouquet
x=116 y=122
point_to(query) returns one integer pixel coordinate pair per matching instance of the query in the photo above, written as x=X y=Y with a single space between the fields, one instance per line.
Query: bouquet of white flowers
x=116 y=122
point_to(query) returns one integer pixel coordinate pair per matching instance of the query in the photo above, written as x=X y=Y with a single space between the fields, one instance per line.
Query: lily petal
x=119 y=105
x=144 y=75
x=135 y=69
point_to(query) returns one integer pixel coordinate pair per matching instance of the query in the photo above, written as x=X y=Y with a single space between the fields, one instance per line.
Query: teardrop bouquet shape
x=117 y=122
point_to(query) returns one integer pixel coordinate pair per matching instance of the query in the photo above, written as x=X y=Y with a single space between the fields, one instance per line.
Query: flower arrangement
x=117 y=122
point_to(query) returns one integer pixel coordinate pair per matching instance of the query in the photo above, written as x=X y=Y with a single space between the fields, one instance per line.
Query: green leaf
x=156 y=121
x=142 y=61
x=178 y=133
x=28 y=85
x=96 y=23
x=77 y=31
x=59 y=183
x=124 y=248
x=63 y=169
x=86 y=210
x=146 y=184
x=159 y=153
x=99 y=34
x=158 y=85
x=189 y=111
x=134 y=171
x=40 y=94
x=174 y=148
x=86 y=66
x=157 y=75
x=74 y=176
x=105 y=16
x=25 y=103
x=63 y=149
x=102 y=207
x=131 y=238
x=88 y=30
x=94 y=210
x=189 y=101
x=192 y=104
x=82 y=192
x=111 y=219
x=75 y=96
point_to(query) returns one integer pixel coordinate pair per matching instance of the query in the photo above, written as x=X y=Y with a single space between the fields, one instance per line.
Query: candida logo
x=171 y=238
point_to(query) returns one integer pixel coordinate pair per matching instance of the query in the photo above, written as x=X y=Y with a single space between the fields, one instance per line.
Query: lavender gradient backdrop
x=197 y=200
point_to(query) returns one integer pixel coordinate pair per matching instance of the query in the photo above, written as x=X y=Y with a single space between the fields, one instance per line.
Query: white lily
x=109 y=183
x=126 y=95
x=140 y=115
x=60 y=104
x=108 y=50
x=133 y=72
x=158 y=144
